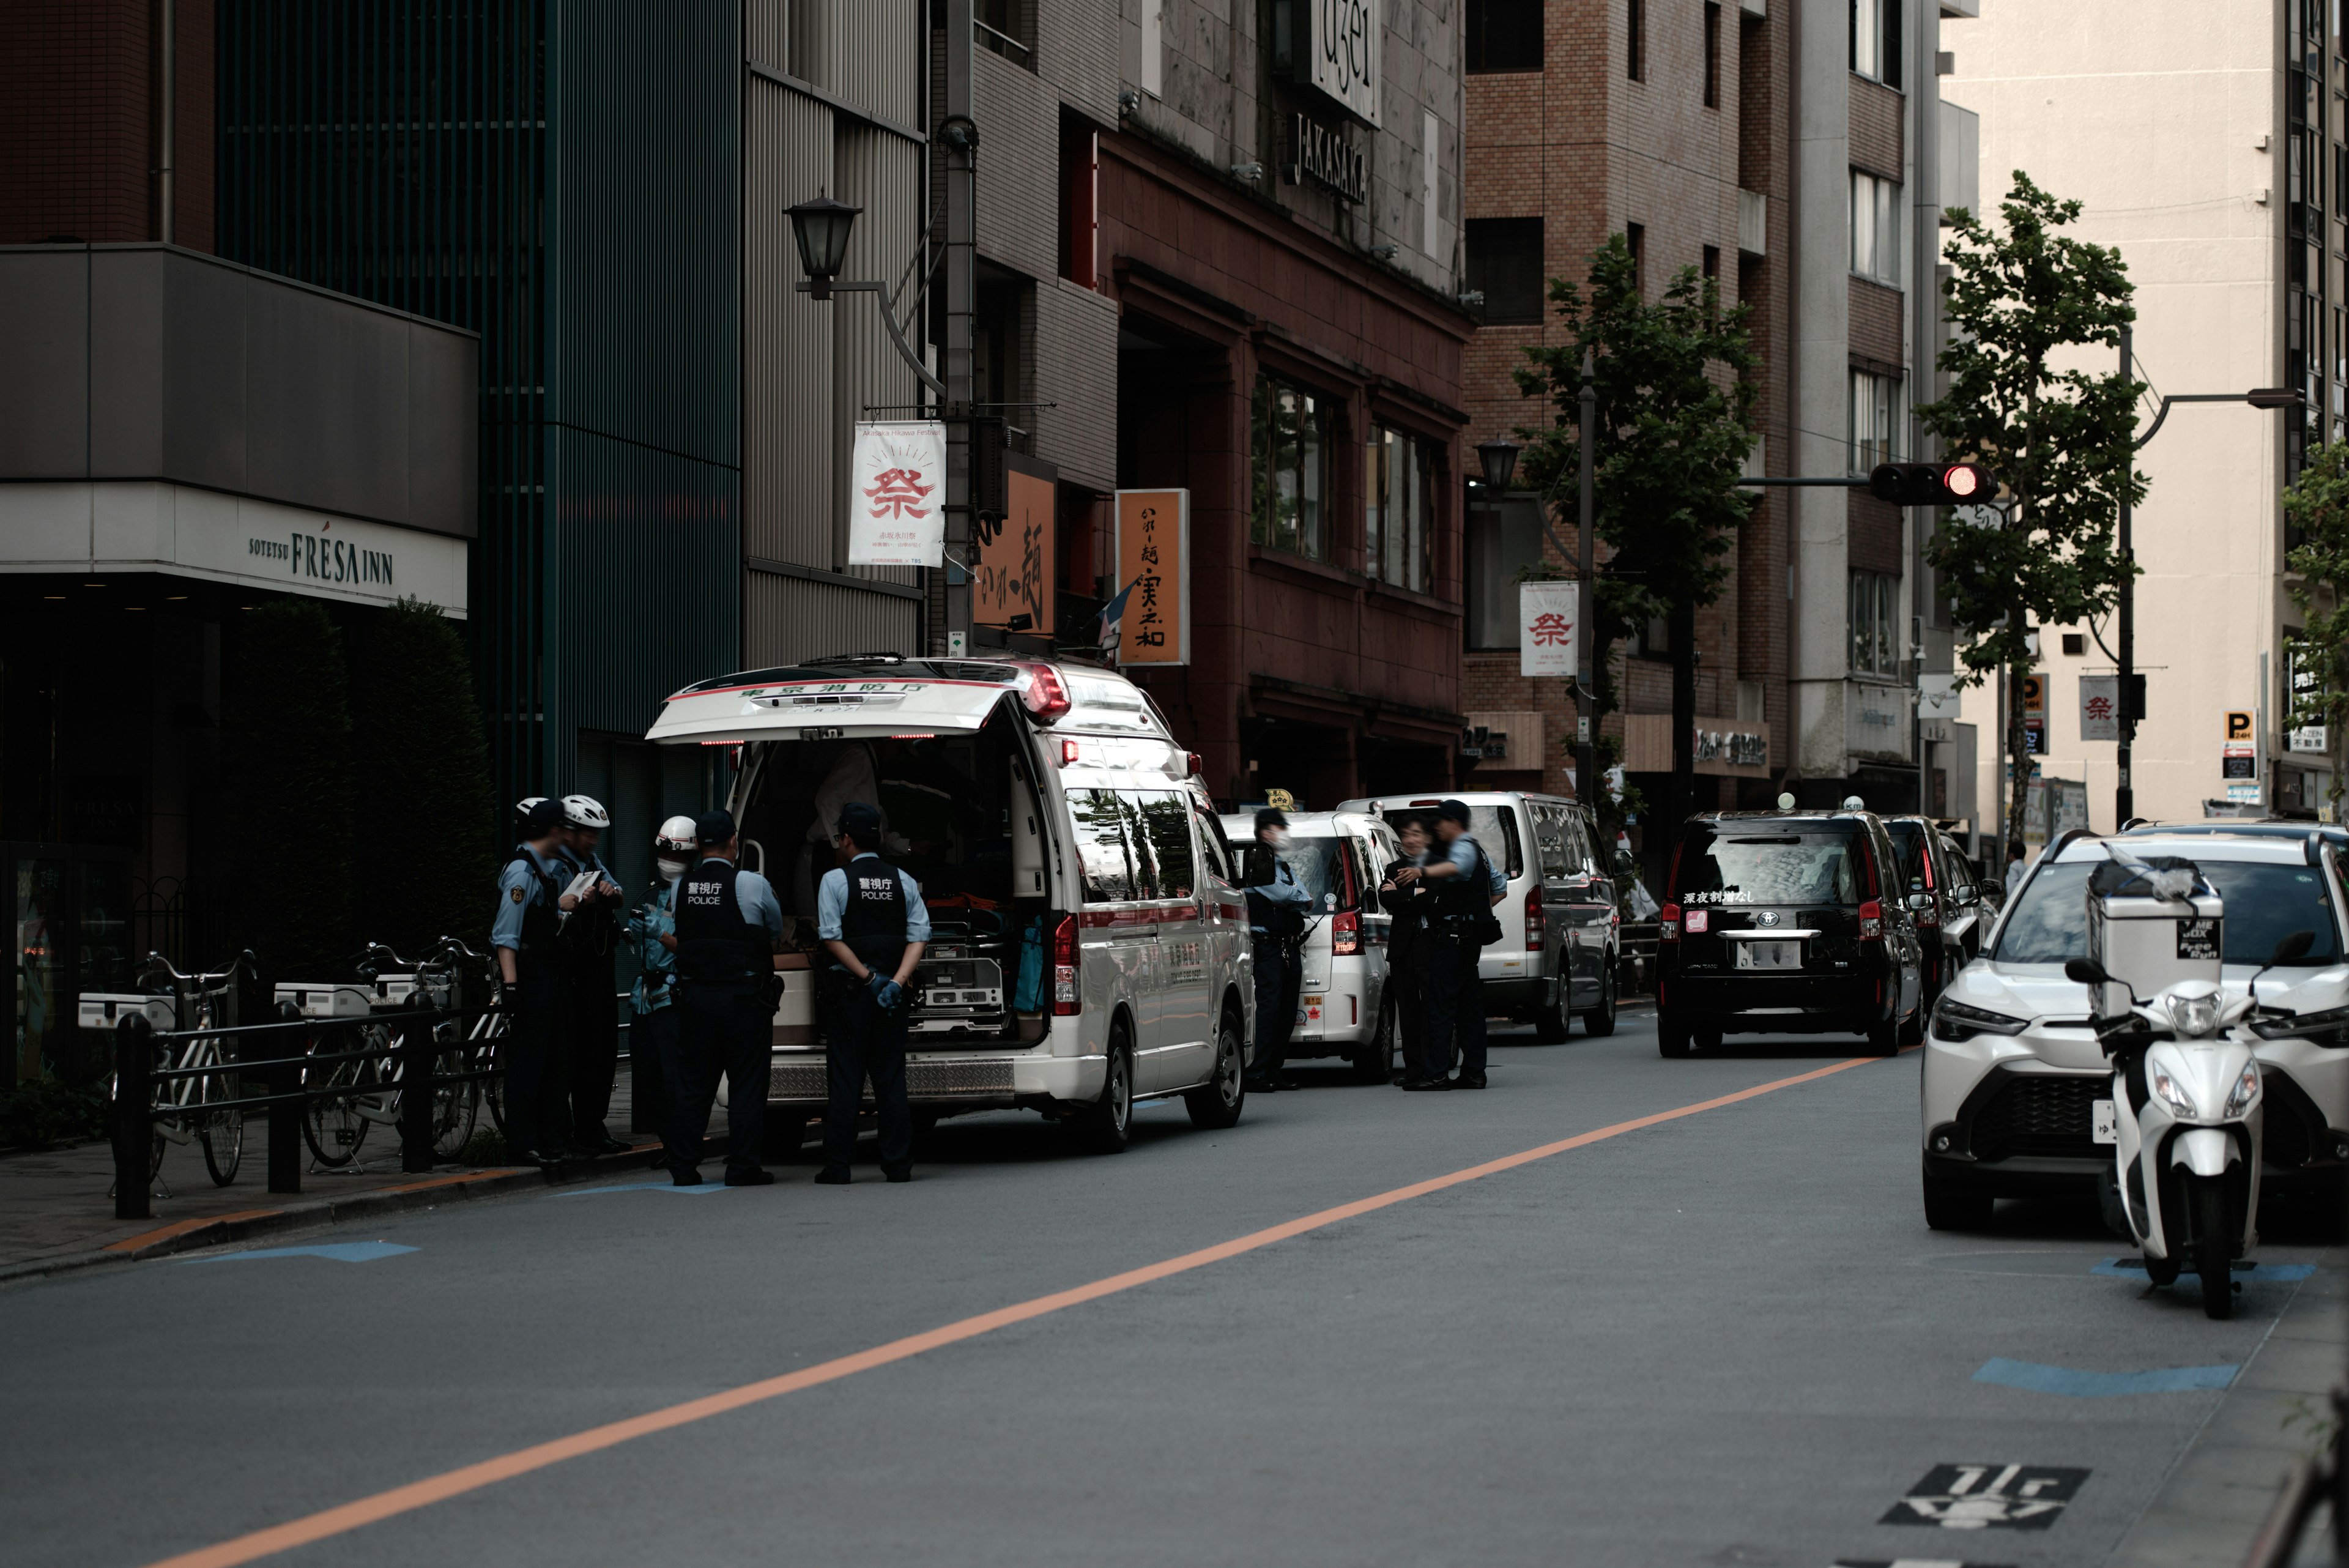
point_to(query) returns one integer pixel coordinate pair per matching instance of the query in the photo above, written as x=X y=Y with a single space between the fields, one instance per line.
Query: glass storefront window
x=41 y=1028
x=1290 y=482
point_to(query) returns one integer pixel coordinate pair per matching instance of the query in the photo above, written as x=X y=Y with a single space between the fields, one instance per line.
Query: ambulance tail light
x=1871 y=921
x=1534 y=924
x=1345 y=934
x=1668 y=923
x=1067 y=996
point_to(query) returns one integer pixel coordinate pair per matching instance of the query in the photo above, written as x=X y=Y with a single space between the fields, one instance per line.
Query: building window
x=1505 y=261
x=1288 y=451
x=1874 y=623
x=1875 y=228
x=1876 y=417
x=1635 y=13
x=1504 y=539
x=1005 y=27
x=1711 y=271
x=1399 y=509
x=1876 y=40
x=1711 y=56
x=1505 y=35
x=1080 y=202
x=1635 y=240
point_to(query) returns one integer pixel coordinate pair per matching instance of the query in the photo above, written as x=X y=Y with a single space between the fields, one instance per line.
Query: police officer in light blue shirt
x=531 y=903
x=1466 y=885
x=870 y=916
x=1277 y=908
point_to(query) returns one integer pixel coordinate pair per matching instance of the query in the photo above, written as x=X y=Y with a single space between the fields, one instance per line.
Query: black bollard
x=284 y=1110
x=416 y=1052
x=134 y=1109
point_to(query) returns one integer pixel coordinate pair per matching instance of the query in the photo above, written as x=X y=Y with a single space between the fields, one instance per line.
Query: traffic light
x=1930 y=483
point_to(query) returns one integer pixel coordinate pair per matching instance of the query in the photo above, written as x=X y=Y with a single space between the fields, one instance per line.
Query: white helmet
x=522 y=806
x=675 y=836
x=585 y=811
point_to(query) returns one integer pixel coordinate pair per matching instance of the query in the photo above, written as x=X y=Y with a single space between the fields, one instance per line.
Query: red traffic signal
x=1930 y=483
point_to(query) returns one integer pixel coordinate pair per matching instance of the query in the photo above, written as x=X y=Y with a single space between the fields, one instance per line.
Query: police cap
x=543 y=819
x=861 y=822
x=713 y=827
x=1453 y=811
x=1271 y=816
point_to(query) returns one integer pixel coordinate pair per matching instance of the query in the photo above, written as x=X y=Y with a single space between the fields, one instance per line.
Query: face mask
x=1280 y=838
x=670 y=870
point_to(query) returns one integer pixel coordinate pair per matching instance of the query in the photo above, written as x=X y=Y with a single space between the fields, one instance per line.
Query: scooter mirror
x=2086 y=971
x=2292 y=947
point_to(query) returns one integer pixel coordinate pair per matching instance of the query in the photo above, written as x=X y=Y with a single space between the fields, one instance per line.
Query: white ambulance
x=1089 y=946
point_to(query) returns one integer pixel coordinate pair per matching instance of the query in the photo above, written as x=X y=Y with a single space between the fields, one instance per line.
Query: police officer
x=1466 y=887
x=727 y=923
x=1276 y=906
x=1407 y=899
x=870 y=916
x=590 y=939
x=652 y=1036
x=530 y=901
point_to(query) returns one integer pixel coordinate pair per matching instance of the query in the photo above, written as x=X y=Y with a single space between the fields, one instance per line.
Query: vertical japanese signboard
x=1154 y=561
x=2100 y=707
x=2304 y=683
x=896 y=512
x=1547 y=618
x=1015 y=567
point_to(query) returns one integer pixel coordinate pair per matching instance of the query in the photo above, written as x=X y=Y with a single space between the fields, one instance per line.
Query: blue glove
x=885 y=991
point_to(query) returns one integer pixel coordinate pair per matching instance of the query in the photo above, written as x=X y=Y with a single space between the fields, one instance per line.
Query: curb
x=190 y=1235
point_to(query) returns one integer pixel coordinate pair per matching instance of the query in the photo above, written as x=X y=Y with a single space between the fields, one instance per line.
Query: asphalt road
x=1723 y=1338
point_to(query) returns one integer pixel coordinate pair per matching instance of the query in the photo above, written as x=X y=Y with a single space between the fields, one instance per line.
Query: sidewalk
x=55 y=1214
x=2210 y=1506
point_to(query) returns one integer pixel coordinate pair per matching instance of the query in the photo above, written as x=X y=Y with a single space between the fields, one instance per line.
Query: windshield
x=1766 y=865
x=2265 y=903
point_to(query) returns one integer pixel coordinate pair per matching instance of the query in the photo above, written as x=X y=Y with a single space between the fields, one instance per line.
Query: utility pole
x=2125 y=628
x=1587 y=784
x=960 y=135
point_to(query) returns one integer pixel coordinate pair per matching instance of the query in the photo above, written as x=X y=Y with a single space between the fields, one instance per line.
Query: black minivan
x=1787 y=923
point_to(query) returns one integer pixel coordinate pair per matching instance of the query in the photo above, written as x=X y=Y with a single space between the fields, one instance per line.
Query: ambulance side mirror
x=2086 y=971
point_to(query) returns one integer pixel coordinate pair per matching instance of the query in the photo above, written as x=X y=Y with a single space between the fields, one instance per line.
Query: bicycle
x=335 y=1125
x=187 y=1109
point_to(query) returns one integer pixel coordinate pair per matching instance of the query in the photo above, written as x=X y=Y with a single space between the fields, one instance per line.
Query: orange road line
x=182 y=1227
x=383 y=1505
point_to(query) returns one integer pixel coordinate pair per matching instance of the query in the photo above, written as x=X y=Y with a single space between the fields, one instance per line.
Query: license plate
x=1770 y=955
x=2106 y=1127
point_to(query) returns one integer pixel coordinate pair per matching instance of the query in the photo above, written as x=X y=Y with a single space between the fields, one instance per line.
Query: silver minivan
x=1342 y=1008
x=1562 y=933
x=1089 y=945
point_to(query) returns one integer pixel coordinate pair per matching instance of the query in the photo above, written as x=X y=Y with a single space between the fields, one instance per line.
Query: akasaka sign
x=896 y=513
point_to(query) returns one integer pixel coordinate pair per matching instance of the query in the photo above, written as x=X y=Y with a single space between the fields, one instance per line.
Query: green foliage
x=2317 y=502
x=2060 y=440
x=286 y=731
x=425 y=810
x=42 y=1113
x=1676 y=391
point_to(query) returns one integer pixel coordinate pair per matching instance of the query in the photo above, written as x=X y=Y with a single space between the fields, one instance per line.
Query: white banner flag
x=896 y=517
x=2100 y=707
x=1545 y=628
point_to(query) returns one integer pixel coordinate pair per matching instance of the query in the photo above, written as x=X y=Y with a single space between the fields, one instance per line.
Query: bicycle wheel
x=454 y=1106
x=487 y=1059
x=331 y=1124
x=223 y=1138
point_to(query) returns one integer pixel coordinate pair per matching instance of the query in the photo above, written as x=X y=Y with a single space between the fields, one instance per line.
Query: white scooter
x=2185 y=1123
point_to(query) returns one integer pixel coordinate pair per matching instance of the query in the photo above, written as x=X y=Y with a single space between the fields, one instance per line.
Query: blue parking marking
x=340 y=1251
x=2265 y=1273
x=2073 y=1383
x=704 y=1190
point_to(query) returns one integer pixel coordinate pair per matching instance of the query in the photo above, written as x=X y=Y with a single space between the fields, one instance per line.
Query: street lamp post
x=2124 y=612
x=1586 y=600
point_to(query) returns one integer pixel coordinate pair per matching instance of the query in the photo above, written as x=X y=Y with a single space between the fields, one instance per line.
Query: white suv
x=1343 y=1009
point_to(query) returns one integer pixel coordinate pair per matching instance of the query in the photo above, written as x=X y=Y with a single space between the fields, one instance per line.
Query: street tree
x=2024 y=301
x=2317 y=502
x=1676 y=393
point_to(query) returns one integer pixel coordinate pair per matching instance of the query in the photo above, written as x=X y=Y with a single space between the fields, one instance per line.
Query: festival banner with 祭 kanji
x=896 y=513
x=1546 y=613
x=1154 y=557
x=1015 y=567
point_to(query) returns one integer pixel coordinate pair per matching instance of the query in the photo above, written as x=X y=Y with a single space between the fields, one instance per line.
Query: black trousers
x=653 y=1072
x=595 y=1028
x=1279 y=965
x=1407 y=983
x=533 y=1058
x=1455 y=1007
x=860 y=1040
x=724 y=1028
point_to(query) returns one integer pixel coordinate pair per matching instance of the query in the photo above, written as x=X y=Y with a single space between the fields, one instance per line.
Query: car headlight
x=1956 y=1021
x=2327 y=1028
x=2246 y=1090
x=2172 y=1092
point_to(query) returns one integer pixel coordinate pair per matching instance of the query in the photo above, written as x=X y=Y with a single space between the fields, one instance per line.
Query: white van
x=1562 y=933
x=1343 y=1009
x=1088 y=946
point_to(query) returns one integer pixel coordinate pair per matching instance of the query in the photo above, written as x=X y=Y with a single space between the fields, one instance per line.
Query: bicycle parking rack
x=415 y=1048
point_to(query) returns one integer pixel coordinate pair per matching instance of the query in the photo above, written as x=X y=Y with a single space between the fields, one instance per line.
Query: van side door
x=1222 y=917
x=1118 y=931
x=1179 y=1048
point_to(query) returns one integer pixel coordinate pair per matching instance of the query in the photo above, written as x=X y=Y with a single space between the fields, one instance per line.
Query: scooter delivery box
x=2152 y=922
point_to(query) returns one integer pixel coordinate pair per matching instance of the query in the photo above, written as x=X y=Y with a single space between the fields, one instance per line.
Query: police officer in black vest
x=727 y=923
x=1277 y=903
x=530 y=904
x=872 y=921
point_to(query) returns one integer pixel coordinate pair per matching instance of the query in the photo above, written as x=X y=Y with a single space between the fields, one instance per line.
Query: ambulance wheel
x=1106 y=1125
x=1948 y=1207
x=1216 y=1103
